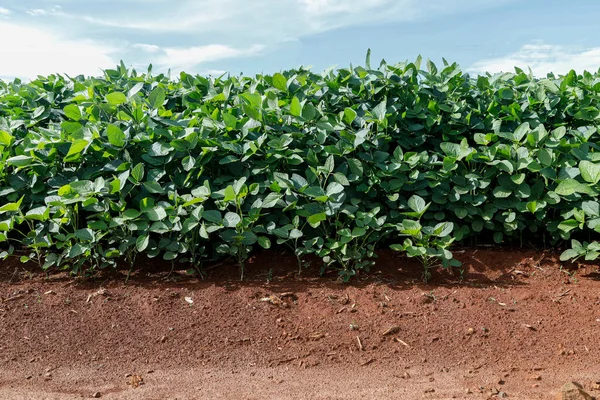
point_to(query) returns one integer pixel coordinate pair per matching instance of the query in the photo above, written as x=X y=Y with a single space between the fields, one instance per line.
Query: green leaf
x=249 y=238
x=72 y=112
x=115 y=135
x=410 y=227
x=498 y=237
x=6 y=139
x=9 y=207
x=137 y=173
x=443 y=229
x=571 y=186
x=334 y=188
x=591 y=208
x=417 y=204
x=271 y=200
x=156 y=213
x=229 y=193
x=356 y=167
x=349 y=116
x=569 y=254
x=213 y=216
x=19 y=161
x=76 y=150
x=315 y=219
x=296 y=107
x=84 y=234
x=314 y=191
x=264 y=242
x=590 y=171
x=380 y=110
x=231 y=220
x=116 y=98
x=521 y=131
x=280 y=82
x=157 y=97
x=153 y=187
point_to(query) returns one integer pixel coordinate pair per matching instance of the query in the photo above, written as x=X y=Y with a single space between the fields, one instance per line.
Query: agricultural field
x=405 y=225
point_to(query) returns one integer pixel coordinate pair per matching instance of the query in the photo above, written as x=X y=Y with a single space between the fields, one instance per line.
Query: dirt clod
x=573 y=391
x=135 y=381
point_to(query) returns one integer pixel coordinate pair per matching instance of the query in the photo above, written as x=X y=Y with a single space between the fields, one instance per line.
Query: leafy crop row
x=98 y=170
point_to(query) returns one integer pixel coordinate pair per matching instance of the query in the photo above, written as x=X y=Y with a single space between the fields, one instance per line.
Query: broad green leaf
x=72 y=112
x=9 y=207
x=380 y=110
x=76 y=150
x=19 y=161
x=315 y=219
x=153 y=187
x=115 y=135
x=330 y=164
x=264 y=242
x=229 y=194
x=116 y=98
x=296 y=107
x=410 y=227
x=417 y=204
x=591 y=208
x=213 y=216
x=137 y=173
x=349 y=116
x=156 y=213
x=280 y=82
x=6 y=139
x=443 y=229
x=314 y=191
x=572 y=186
x=157 y=97
x=590 y=171
x=231 y=220
x=334 y=188
x=521 y=131
x=84 y=234
x=271 y=200
x=569 y=254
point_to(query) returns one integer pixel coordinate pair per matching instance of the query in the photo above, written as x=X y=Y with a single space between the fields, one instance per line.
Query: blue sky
x=266 y=36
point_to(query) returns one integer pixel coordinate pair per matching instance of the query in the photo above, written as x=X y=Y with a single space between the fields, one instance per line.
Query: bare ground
x=515 y=325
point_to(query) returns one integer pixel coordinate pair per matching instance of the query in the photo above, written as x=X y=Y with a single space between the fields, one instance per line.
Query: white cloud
x=42 y=52
x=36 y=12
x=214 y=72
x=4 y=11
x=542 y=59
x=323 y=7
x=148 y=48
x=181 y=58
x=268 y=20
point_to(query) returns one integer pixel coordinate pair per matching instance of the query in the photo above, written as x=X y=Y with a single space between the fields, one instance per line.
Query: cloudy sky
x=265 y=36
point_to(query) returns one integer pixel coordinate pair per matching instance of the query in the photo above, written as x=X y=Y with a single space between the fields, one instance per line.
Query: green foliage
x=97 y=170
x=429 y=244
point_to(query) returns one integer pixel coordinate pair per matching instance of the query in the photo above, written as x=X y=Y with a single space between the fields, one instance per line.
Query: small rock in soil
x=97 y=395
x=573 y=391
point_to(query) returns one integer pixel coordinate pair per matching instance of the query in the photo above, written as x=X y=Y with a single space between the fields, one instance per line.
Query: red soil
x=516 y=324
